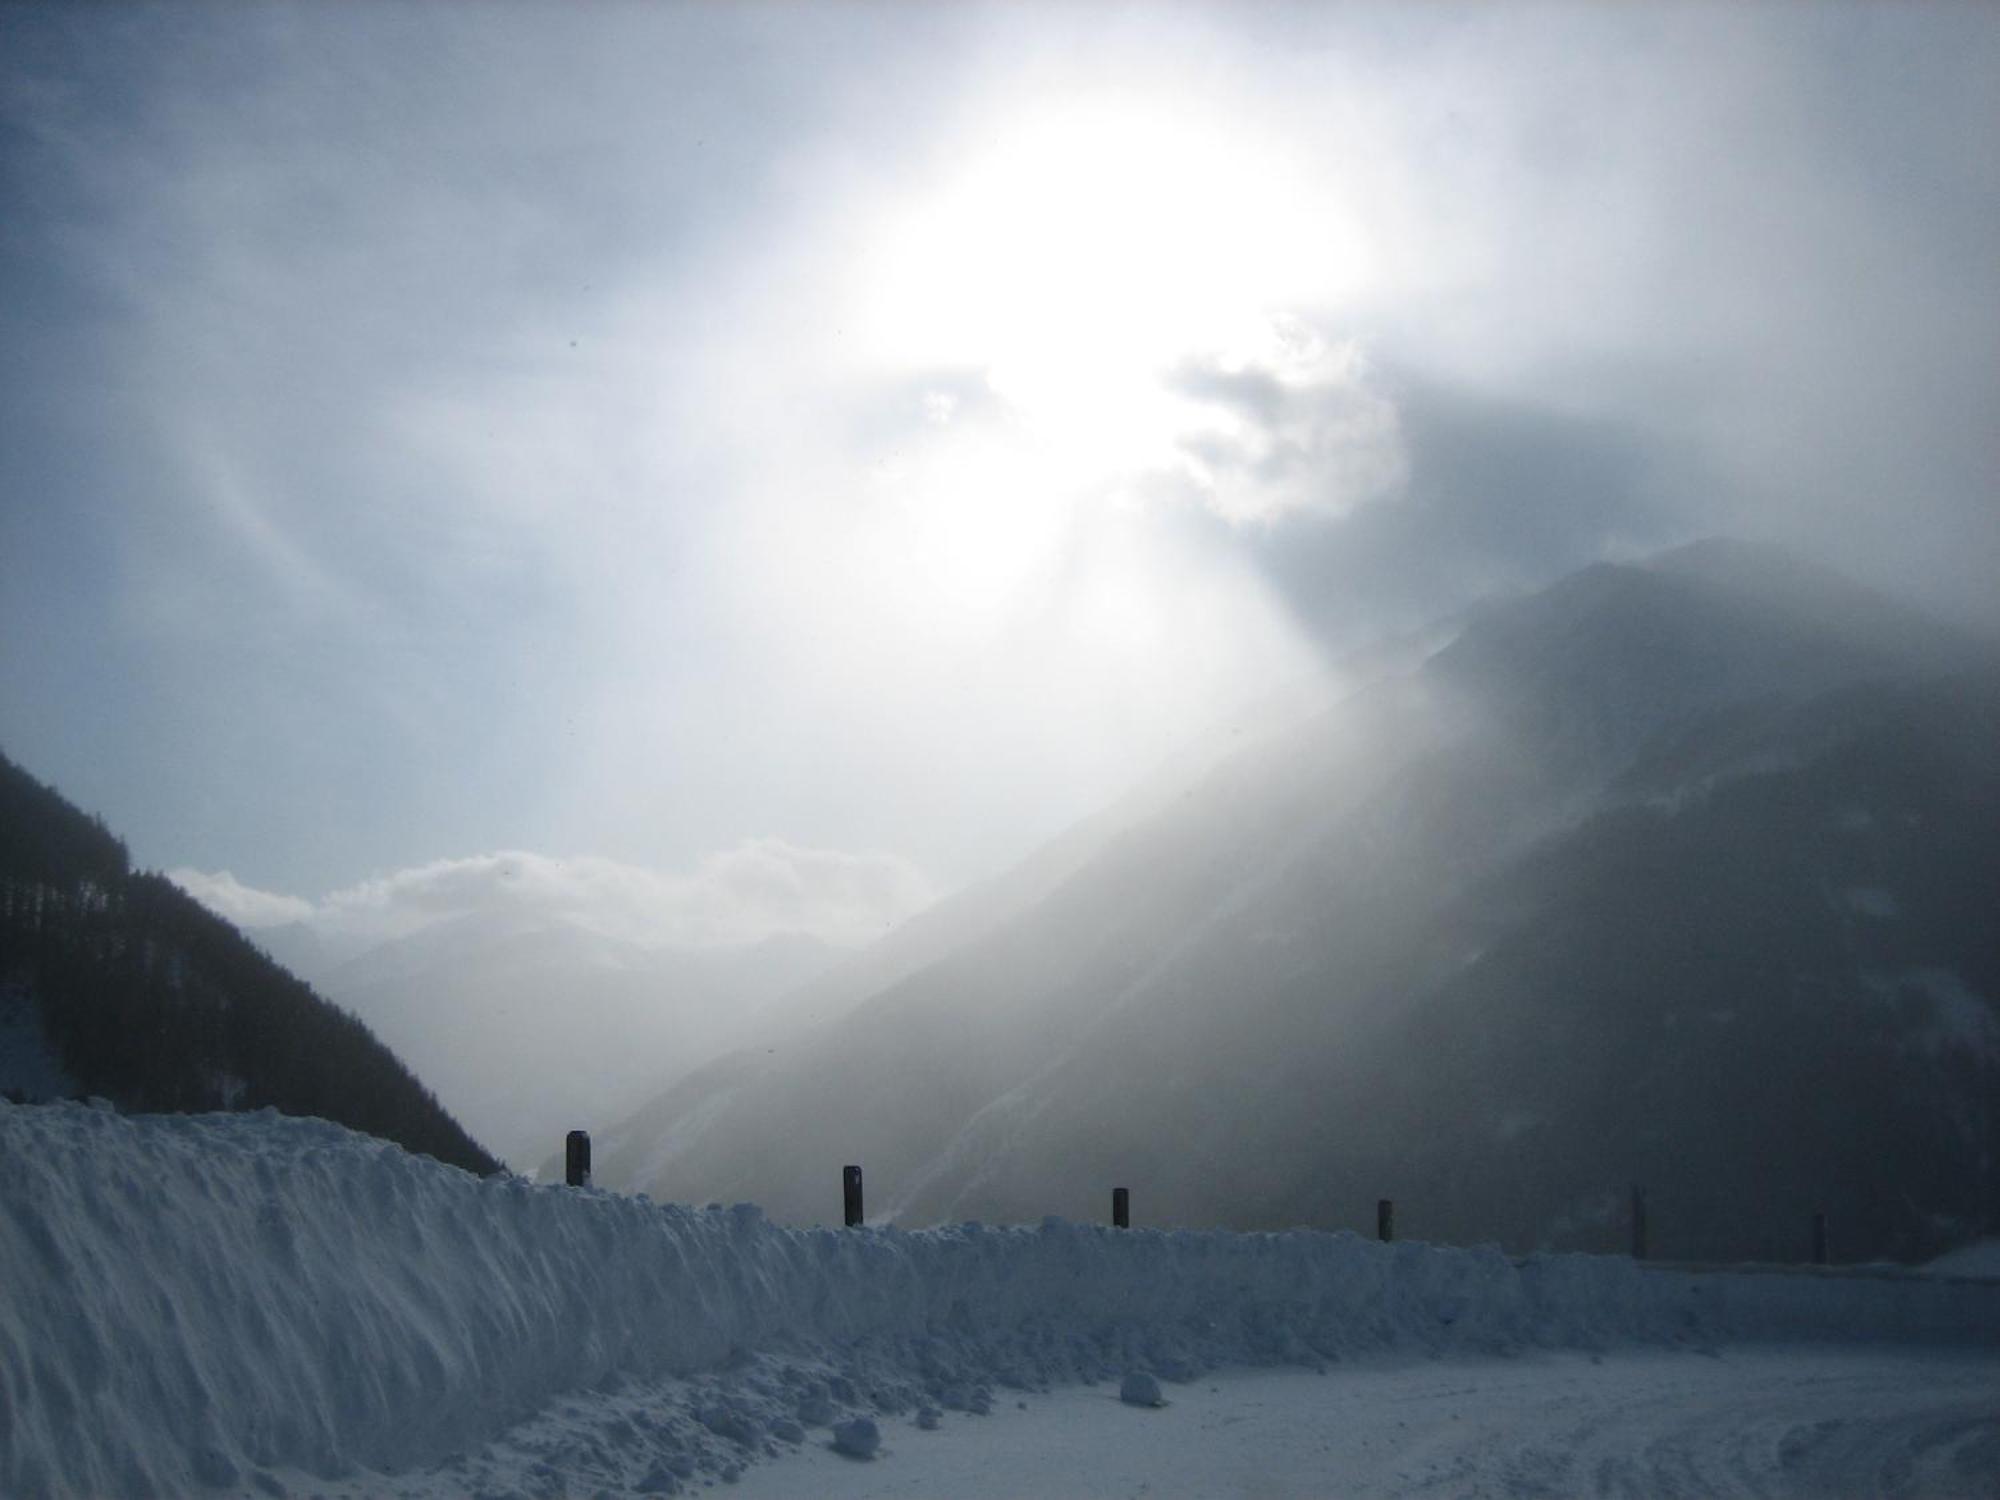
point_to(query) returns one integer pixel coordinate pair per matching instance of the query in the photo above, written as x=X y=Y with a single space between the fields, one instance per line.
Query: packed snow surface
x=1825 y=1422
x=256 y=1304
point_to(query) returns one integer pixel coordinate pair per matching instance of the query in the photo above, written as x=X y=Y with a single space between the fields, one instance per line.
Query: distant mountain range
x=114 y=983
x=1677 y=873
x=531 y=1025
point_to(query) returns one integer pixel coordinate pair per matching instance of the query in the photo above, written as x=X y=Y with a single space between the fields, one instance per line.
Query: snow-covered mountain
x=1668 y=873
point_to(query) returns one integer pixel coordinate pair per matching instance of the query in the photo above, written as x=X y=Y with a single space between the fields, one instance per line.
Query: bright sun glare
x=1071 y=264
x=1088 y=251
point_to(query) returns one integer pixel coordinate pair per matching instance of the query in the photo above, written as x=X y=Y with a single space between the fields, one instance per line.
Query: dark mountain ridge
x=148 y=1000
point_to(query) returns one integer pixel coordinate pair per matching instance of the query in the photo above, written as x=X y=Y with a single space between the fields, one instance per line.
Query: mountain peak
x=1730 y=557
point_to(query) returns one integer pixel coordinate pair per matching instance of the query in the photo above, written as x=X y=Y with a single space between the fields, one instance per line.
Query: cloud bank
x=233 y=901
x=761 y=889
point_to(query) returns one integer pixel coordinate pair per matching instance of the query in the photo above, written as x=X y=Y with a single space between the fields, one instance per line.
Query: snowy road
x=1762 y=1421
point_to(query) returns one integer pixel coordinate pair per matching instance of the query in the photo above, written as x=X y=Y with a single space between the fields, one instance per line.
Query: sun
x=1036 y=306
x=1084 y=250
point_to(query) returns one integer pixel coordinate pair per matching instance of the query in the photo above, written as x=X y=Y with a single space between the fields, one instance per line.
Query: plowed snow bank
x=186 y=1299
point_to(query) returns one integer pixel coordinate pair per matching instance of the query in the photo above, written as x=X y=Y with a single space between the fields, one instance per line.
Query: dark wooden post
x=1638 y=1222
x=1819 y=1239
x=1385 y=1219
x=1121 y=1208
x=576 y=1159
x=850 y=1195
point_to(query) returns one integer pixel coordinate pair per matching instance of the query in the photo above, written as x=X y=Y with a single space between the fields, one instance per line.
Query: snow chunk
x=858 y=1438
x=726 y=1421
x=1141 y=1389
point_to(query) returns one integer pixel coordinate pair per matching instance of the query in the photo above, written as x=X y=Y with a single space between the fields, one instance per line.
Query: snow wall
x=184 y=1298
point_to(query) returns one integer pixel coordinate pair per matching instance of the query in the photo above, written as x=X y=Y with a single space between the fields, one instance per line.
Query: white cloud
x=1293 y=427
x=760 y=889
x=246 y=906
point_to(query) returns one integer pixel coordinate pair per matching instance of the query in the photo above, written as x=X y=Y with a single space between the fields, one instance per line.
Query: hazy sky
x=802 y=456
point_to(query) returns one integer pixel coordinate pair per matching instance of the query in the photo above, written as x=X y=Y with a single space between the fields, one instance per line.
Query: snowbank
x=1981 y=1259
x=195 y=1301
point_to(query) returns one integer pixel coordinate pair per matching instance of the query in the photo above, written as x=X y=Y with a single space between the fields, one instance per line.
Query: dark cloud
x=1501 y=494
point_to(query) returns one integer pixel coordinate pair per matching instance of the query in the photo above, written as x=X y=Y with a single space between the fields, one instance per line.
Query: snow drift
x=193 y=1301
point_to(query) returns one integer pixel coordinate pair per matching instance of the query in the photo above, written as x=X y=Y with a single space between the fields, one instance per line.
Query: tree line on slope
x=154 y=1002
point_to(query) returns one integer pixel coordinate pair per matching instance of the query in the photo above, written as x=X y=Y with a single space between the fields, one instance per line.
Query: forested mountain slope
x=138 y=994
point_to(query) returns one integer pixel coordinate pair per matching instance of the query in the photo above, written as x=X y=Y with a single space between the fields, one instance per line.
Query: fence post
x=576 y=1159
x=1121 y=1208
x=1819 y=1239
x=1385 y=1219
x=850 y=1195
x=1638 y=1222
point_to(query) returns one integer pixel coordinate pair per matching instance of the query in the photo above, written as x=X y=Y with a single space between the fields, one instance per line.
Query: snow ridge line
x=185 y=1297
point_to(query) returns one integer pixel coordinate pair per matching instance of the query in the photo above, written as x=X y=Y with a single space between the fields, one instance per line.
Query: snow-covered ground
x=1758 y=1420
x=260 y=1305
